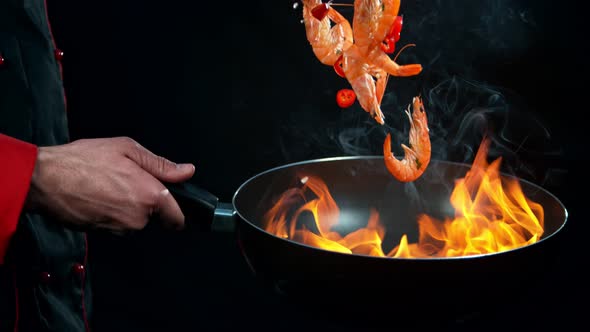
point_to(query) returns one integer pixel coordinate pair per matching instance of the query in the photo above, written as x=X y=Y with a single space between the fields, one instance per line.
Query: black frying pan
x=357 y=183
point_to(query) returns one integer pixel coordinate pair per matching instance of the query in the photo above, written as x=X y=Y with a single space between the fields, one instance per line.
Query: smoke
x=462 y=112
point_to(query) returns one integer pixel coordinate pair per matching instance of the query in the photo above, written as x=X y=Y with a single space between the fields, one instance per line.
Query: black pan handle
x=202 y=209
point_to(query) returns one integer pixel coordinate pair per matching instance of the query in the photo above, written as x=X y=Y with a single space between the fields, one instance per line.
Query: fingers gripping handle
x=202 y=210
x=198 y=205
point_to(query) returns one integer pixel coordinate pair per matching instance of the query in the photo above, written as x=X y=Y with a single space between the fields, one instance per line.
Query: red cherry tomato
x=338 y=67
x=396 y=28
x=320 y=11
x=388 y=45
x=345 y=98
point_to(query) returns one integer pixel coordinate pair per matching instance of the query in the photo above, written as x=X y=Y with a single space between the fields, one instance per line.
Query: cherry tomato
x=338 y=67
x=345 y=98
x=388 y=45
x=320 y=11
x=396 y=28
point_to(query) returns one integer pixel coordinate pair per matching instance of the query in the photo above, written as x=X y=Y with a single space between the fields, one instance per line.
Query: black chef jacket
x=43 y=283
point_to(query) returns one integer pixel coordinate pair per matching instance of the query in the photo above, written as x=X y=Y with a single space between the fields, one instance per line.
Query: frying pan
x=311 y=275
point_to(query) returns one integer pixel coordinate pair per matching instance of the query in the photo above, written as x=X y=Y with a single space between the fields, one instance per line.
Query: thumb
x=158 y=166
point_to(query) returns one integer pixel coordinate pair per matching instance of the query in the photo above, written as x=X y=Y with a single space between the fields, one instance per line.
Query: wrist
x=34 y=196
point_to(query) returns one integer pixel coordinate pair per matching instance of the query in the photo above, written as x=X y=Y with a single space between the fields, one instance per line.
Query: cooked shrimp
x=327 y=41
x=365 y=59
x=358 y=74
x=368 y=82
x=364 y=23
x=359 y=48
x=372 y=22
x=417 y=156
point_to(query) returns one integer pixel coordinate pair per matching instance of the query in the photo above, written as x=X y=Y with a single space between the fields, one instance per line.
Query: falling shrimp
x=358 y=74
x=367 y=81
x=333 y=45
x=357 y=52
x=366 y=65
x=327 y=41
x=417 y=155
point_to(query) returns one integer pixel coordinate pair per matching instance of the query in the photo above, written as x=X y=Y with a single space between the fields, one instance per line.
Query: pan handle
x=202 y=209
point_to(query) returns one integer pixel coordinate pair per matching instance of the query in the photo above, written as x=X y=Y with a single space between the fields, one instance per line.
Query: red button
x=45 y=277
x=2 y=61
x=78 y=268
x=59 y=54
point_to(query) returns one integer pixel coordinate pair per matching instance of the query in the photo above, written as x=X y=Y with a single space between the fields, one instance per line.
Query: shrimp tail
x=383 y=60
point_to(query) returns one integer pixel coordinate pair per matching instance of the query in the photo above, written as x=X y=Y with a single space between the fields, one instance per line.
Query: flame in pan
x=491 y=215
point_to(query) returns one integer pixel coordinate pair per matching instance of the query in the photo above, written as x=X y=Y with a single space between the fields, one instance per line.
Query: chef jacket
x=44 y=284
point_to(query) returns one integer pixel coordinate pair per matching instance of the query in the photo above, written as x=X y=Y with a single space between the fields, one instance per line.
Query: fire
x=491 y=215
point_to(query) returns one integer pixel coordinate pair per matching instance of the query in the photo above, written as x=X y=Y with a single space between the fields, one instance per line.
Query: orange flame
x=491 y=215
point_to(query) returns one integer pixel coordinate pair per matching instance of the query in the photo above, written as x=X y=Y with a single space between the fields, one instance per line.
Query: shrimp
x=328 y=42
x=358 y=75
x=367 y=81
x=364 y=23
x=358 y=48
x=417 y=156
x=380 y=59
x=372 y=22
x=366 y=66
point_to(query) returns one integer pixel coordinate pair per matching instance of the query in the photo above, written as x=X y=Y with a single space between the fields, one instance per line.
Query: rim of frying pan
x=330 y=159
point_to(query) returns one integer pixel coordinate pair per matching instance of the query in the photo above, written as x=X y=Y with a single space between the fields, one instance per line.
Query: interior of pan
x=360 y=184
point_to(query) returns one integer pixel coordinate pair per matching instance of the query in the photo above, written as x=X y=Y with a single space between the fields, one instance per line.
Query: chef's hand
x=106 y=183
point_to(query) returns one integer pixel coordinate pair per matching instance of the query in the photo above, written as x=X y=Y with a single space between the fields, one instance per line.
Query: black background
x=234 y=88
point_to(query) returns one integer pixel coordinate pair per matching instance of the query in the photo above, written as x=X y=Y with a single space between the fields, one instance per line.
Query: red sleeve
x=17 y=162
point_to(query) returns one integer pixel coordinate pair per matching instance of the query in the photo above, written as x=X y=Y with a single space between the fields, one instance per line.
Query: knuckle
x=153 y=201
x=127 y=142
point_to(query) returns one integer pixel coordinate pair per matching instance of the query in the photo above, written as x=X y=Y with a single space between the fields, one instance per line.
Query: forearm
x=17 y=162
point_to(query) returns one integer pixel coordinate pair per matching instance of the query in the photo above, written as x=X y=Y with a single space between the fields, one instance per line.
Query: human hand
x=106 y=183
